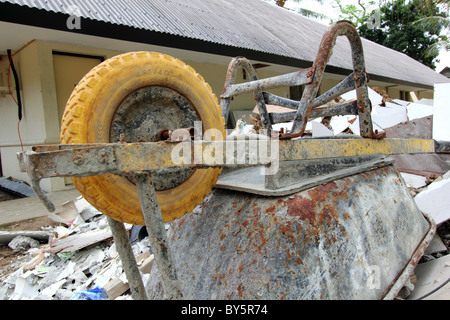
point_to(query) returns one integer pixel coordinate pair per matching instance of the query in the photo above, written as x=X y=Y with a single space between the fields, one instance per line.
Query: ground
x=9 y=259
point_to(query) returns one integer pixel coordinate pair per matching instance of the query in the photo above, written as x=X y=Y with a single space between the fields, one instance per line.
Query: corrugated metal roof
x=250 y=24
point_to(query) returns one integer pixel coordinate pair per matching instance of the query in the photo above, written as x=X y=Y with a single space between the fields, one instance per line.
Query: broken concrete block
x=22 y=243
x=390 y=115
x=435 y=200
x=319 y=130
x=341 y=123
x=414 y=180
x=418 y=110
x=51 y=290
x=24 y=289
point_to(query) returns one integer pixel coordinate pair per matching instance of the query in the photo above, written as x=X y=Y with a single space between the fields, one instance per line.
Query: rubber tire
x=88 y=116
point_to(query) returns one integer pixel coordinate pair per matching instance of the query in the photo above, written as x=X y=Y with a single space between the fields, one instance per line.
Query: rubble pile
x=78 y=262
x=386 y=112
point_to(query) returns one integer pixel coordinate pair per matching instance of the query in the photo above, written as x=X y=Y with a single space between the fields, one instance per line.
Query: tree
x=356 y=14
x=431 y=21
x=399 y=29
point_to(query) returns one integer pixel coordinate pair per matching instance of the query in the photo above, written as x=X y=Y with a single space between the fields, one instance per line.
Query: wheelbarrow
x=144 y=139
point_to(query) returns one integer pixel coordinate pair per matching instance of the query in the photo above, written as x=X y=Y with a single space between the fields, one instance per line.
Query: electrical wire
x=18 y=101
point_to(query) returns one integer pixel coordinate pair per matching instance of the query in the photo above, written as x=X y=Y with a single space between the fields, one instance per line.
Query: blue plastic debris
x=92 y=294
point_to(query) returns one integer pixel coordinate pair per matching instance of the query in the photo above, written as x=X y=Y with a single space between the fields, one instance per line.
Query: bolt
x=78 y=160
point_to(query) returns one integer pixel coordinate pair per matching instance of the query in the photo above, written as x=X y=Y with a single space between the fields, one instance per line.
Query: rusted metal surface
x=126 y=255
x=157 y=236
x=403 y=277
x=352 y=238
x=290 y=79
x=156 y=157
x=312 y=77
x=142 y=114
x=95 y=159
x=233 y=67
x=347 y=108
x=337 y=110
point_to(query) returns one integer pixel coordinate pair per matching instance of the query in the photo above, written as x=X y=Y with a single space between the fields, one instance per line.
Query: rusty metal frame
x=312 y=77
x=81 y=160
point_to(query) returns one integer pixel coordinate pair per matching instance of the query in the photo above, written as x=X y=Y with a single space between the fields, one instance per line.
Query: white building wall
x=441 y=112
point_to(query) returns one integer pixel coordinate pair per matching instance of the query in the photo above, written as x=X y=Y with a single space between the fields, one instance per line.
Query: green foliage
x=356 y=14
x=399 y=30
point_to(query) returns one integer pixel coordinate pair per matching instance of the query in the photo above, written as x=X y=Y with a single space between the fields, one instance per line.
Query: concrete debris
x=78 y=262
x=418 y=110
x=434 y=200
x=319 y=130
x=7 y=236
x=23 y=243
x=413 y=180
x=75 y=211
x=386 y=112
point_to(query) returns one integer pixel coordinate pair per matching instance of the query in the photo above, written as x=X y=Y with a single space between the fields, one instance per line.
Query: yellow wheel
x=136 y=95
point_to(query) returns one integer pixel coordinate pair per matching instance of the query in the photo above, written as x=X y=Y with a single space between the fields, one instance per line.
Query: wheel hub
x=143 y=113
